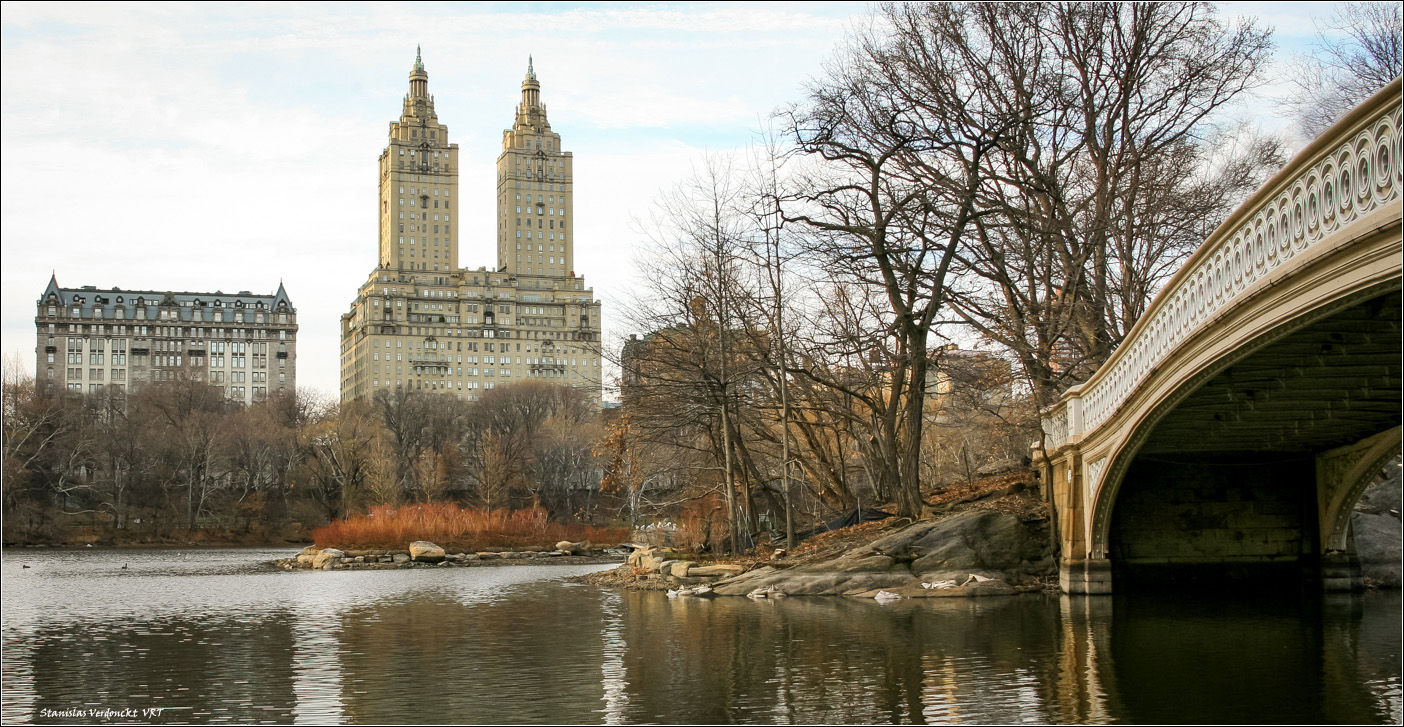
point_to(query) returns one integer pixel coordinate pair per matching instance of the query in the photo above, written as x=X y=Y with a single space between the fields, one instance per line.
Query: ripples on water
x=214 y=636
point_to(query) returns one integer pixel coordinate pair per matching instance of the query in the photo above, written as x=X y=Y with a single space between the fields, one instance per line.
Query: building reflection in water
x=316 y=665
x=614 y=676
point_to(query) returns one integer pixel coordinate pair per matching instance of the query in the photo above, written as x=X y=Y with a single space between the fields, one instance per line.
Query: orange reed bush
x=457 y=529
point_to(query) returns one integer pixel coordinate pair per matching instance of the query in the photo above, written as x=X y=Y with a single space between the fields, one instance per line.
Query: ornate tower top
x=419 y=104
x=419 y=78
x=531 y=114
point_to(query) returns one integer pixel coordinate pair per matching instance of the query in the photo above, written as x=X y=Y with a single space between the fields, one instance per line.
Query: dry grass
x=458 y=529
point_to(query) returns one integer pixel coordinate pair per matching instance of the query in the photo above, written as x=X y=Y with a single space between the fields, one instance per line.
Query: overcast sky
x=226 y=147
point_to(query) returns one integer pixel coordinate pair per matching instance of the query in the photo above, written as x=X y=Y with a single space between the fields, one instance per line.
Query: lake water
x=215 y=636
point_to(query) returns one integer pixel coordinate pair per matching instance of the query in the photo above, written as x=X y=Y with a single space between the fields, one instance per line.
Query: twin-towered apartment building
x=418 y=323
x=422 y=323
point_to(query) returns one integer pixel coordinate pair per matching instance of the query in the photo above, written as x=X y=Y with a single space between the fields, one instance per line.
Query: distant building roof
x=89 y=297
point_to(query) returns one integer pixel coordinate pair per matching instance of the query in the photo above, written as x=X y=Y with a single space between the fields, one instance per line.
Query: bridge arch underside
x=1248 y=476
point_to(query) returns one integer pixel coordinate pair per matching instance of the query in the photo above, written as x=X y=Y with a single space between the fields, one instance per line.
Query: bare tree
x=1357 y=52
x=685 y=379
x=1104 y=179
x=898 y=137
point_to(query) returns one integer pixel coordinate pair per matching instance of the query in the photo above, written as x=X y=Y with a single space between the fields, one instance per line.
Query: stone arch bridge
x=1233 y=430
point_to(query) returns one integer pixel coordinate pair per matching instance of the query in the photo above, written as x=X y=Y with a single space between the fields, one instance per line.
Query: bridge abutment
x=1085 y=576
x=1341 y=573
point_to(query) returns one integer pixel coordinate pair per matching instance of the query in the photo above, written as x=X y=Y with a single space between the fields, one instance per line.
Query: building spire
x=531 y=89
x=419 y=78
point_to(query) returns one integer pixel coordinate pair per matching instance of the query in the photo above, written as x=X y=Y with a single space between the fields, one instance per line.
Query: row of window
x=209 y=314
x=542 y=236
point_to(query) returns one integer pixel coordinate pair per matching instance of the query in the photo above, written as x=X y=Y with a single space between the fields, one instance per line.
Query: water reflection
x=316 y=664
x=227 y=641
x=614 y=676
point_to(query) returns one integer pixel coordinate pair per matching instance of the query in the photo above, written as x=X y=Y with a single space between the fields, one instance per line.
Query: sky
x=203 y=147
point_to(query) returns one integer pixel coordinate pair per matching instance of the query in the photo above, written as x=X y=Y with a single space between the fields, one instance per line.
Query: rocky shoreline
x=971 y=553
x=423 y=554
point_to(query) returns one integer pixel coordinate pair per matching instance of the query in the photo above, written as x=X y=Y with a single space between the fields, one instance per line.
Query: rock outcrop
x=991 y=544
x=977 y=552
x=1376 y=524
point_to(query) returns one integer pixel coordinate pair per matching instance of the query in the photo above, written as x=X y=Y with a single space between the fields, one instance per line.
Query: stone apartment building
x=422 y=323
x=94 y=341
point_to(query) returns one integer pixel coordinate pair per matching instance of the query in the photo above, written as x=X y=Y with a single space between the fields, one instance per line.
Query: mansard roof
x=89 y=296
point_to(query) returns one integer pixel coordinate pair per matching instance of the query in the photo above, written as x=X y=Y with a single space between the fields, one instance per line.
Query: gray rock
x=706 y=571
x=423 y=551
x=637 y=556
x=1376 y=527
x=327 y=556
x=973 y=541
x=1377 y=543
x=988 y=543
x=854 y=573
x=862 y=562
x=400 y=558
x=570 y=548
x=1383 y=496
x=680 y=568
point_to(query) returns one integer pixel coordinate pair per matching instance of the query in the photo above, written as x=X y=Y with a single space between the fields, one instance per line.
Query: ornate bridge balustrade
x=1242 y=416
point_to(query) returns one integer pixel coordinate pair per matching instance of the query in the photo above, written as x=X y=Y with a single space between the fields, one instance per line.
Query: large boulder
x=637 y=555
x=423 y=551
x=569 y=548
x=326 y=556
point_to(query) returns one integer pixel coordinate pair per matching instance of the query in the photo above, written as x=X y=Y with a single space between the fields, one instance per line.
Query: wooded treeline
x=178 y=460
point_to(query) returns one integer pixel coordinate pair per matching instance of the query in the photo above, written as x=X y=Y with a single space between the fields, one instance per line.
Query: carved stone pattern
x=1055 y=428
x=1335 y=470
x=1094 y=475
x=1359 y=176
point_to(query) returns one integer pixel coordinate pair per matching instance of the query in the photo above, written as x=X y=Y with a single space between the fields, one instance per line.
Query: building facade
x=95 y=341
x=422 y=323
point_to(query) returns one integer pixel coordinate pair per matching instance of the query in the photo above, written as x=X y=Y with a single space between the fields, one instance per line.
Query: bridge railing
x=1347 y=173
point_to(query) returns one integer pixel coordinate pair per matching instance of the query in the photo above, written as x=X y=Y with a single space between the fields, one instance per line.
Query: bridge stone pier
x=1231 y=433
